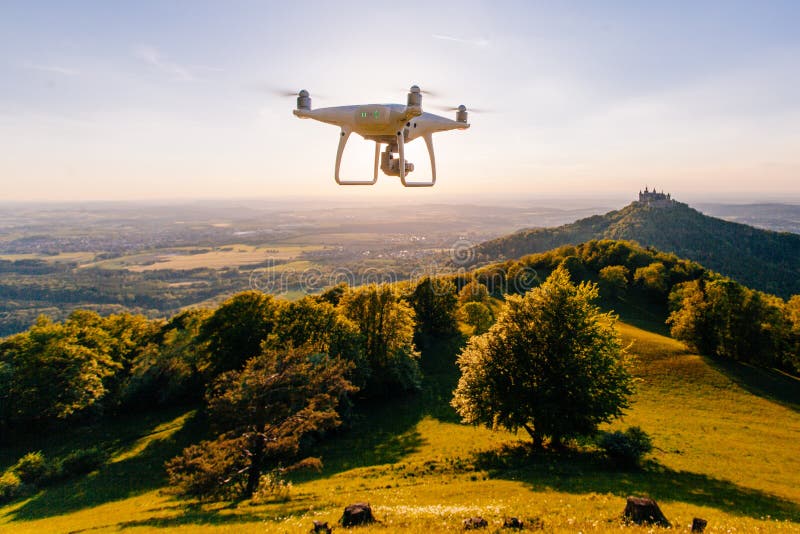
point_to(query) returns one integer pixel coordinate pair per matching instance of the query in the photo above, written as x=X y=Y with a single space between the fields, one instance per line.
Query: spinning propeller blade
x=471 y=110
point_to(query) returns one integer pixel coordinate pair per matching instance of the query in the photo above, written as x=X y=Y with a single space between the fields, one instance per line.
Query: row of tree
x=723 y=318
x=715 y=315
x=88 y=366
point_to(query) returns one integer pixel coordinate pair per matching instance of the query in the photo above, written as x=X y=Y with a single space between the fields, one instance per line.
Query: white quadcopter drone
x=391 y=124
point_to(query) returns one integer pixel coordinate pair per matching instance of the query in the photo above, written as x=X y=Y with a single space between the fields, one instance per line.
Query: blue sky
x=111 y=100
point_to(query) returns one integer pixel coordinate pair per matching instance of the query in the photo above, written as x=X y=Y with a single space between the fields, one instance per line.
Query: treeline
x=713 y=314
x=89 y=366
x=720 y=317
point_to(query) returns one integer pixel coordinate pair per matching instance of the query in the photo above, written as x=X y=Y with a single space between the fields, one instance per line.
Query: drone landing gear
x=386 y=161
x=343 y=137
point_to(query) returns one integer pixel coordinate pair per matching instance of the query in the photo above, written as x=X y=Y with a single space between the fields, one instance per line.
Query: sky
x=176 y=99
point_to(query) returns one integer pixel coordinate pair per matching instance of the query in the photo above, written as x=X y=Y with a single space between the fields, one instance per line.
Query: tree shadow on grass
x=139 y=472
x=767 y=383
x=590 y=472
x=187 y=514
x=383 y=431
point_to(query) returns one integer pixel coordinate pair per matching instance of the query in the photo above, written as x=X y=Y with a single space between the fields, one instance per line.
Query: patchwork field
x=726 y=440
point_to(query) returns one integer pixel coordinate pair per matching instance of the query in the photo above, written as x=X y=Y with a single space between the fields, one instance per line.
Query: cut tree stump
x=644 y=511
x=699 y=525
x=321 y=527
x=474 y=523
x=356 y=514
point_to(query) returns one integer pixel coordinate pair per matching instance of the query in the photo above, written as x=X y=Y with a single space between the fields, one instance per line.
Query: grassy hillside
x=761 y=259
x=726 y=439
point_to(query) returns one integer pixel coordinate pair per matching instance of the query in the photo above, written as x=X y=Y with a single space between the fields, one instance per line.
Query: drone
x=392 y=125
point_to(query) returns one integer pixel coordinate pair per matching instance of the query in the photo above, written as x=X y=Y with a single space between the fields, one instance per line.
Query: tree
x=234 y=332
x=169 y=371
x=691 y=321
x=319 y=325
x=553 y=364
x=262 y=412
x=613 y=280
x=652 y=277
x=55 y=371
x=473 y=291
x=791 y=357
x=386 y=326
x=434 y=301
x=478 y=316
x=721 y=317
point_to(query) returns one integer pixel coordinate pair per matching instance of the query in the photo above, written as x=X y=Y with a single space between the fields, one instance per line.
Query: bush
x=11 y=486
x=80 y=462
x=214 y=469
x=626 y=448
x=32 y=468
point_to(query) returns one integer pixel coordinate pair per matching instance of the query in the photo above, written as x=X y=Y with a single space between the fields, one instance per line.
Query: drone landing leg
x=343 y=137
x=429 y=143
x=377 y=161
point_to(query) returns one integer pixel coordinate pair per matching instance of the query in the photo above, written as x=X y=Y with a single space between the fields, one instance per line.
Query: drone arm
x=429 y=142
x=343 y=137
x=401 y=154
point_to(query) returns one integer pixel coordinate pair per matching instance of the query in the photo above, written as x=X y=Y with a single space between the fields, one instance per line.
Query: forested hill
x=762 y=259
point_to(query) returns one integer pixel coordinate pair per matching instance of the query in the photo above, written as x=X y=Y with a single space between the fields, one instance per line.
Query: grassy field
x=64 y=257
x=726 y=438
x=233 y=255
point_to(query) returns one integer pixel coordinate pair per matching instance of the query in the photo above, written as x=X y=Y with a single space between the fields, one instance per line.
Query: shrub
x=80 y=462
x=32 y=468
x=11 y=486
x=214 y=469
x=626 y=448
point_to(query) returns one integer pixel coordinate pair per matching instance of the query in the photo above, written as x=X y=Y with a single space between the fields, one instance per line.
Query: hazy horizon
x=168 y=101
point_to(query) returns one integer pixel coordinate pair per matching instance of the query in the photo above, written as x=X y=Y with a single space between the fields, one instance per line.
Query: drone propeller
x=462 y=107
x=280 y=92
x=432 y=94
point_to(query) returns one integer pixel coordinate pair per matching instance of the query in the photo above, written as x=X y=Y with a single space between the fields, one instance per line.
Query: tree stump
x=644 y=511
x=513 y=522
x=357 y=514
x=699 y=525
x=321 y=527
x=474 y=523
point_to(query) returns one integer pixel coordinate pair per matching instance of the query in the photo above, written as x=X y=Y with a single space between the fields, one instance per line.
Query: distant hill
x=761 y=259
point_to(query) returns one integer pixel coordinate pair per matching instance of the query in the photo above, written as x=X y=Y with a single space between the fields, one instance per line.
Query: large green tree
x=234 y=332
x=553 y=364
x=385 y=323
x=435 y=304
x=55 y=371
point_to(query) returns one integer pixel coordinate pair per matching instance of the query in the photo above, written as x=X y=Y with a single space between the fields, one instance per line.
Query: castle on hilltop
x=655 y=199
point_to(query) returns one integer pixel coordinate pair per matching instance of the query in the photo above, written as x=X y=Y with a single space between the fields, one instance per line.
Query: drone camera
x=303 y=100
x=391 y=165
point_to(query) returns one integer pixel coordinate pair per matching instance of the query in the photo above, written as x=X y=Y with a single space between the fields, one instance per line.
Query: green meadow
x=726 y=438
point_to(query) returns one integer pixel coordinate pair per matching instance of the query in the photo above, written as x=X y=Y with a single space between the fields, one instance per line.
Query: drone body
x=392 y=125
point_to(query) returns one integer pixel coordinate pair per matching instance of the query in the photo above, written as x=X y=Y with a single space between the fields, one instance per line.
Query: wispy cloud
x=154 y=58
x=52 y=69
x=480 y=43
